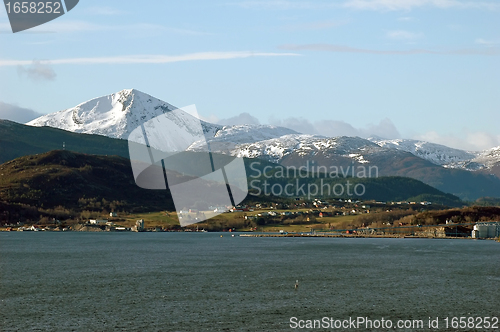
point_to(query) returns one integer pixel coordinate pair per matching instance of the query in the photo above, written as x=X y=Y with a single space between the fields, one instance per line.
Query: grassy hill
x=77 y=182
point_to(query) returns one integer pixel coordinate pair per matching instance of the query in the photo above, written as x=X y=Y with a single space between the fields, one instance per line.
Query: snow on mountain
x=228 y=139
x=488 y=157
x=250 y=133
x=435 y=153
x=117 y=115
x=276 y=149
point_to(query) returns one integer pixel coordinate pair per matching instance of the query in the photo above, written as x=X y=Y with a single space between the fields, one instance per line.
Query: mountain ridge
x=118 y=114
x=464 y=173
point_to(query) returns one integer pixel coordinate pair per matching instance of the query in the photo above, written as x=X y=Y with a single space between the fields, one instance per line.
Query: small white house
x=113 y=214
x=98 y=221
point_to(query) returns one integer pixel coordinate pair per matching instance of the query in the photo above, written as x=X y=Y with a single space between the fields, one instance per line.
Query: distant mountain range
x=469 y=175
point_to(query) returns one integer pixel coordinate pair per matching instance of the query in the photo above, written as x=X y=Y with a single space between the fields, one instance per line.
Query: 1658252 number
x=33 y=7
x=471 y=322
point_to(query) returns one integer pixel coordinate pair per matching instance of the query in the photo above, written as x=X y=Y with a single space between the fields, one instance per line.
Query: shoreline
x=281 y=235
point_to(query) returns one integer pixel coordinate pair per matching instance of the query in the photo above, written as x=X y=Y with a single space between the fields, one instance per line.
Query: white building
x=98 y=221
x=140 y=225
x=486 y=230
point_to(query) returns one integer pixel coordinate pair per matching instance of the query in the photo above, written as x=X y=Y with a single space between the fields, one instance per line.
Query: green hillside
x=17 y=140
x=78 y=182
x=384 y=188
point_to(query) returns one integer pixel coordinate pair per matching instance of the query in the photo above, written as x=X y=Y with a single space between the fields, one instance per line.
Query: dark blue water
x=202 y=282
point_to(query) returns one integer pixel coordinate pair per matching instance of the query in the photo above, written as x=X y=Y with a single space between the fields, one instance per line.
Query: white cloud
x=242 y=119
x=471 y=141
x=104 y=10
x=5 y=27
x=332 y=128
x=320 y=25
x=385 y=128
x=148 y=59
x=466 y=140
x=381 y=5
x=37 y=71
x=300 y=125
x=486 y=42
x=282 y=4
x=16 y=113
x=66 y=26
x=407 y=5
x=406 y=19
x=403 y=35
x=349 y=49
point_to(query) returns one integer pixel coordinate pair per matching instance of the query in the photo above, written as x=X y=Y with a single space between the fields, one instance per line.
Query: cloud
x=332 y=128
x=85 y=26
x=300 y=125
x=37 y=71
x=148 y=59
x=242 y=119
x=403 y=35
x=104 y=10
x=471 y=141
x=379 y=5
x=16 y=113
x=385 y=128
x=406 y=19
x=282 y=4
x=486 y=42
x=320 y=25
x=348 y=49
x=407 y=5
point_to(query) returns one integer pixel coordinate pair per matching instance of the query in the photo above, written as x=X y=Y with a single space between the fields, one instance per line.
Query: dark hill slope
x=77 y=181
x=17 y=140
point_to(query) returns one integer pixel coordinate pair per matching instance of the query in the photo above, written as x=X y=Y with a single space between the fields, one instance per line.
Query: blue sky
x=425 y=69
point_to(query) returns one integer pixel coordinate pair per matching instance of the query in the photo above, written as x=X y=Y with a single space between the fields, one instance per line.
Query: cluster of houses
x=36 y=228
x=112 y=227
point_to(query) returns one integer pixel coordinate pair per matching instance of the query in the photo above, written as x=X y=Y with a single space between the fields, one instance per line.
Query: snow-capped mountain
x=442 y=155
x=488 y=157
x=118 y=114
x=276 y=149
x=435 y=153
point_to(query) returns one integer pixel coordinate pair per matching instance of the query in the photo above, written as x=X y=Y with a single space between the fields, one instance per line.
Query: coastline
x=272 y=234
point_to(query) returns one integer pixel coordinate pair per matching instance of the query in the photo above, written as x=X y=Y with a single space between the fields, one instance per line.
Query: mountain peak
x=115 y=115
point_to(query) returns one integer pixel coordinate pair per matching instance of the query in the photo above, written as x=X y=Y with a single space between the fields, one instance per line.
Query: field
x=237 y=222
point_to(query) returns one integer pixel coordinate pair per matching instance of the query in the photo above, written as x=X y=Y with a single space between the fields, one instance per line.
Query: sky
x=421 y=69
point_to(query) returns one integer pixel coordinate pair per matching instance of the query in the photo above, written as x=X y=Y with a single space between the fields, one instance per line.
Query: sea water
x=72 y=281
